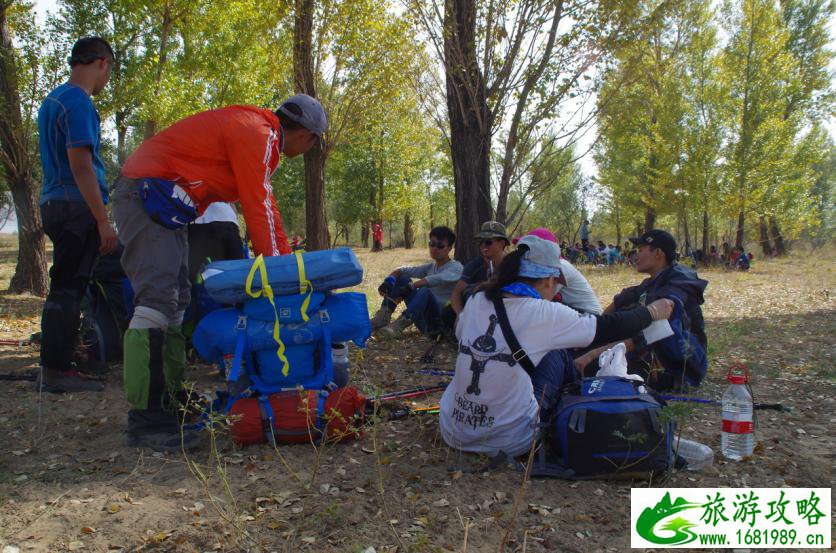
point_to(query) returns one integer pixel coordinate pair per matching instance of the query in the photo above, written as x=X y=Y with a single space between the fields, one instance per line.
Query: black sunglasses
x=438 y=245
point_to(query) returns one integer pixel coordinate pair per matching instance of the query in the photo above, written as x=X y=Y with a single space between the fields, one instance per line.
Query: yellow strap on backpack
x=304 y=284
x=267 y=291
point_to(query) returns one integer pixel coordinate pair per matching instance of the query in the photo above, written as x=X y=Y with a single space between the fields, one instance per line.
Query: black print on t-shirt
x=469 y=413
x=482 y=350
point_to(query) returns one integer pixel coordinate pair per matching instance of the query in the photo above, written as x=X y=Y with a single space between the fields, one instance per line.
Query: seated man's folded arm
x=457 y=296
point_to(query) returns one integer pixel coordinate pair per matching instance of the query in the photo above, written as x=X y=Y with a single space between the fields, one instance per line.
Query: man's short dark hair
x=89 y=49
x=444 y=233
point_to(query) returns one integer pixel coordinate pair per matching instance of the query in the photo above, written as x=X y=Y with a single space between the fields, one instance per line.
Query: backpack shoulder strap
x=518 y=353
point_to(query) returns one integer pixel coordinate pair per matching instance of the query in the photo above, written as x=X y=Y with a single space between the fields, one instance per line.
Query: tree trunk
x=18 y=166
x=777 y=237
x=470 y=124
x=364 y=234
x=162 y=57
x=649 y=219
x=617 y=213
x=687 y=233
x=316 y=220
x=766 y=247
x=639 y=229
x=30 y=273
x=408 y=232
x=705 y=247
x=741 y=221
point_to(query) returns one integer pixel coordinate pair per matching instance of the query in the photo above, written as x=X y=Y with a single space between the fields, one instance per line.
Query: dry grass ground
x=67 y=483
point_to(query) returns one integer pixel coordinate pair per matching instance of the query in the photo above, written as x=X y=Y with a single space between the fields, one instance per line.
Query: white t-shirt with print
x=577 y=292
x=490 y=405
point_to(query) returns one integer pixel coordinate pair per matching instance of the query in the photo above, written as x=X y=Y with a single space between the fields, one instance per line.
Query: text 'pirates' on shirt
x=490 y=405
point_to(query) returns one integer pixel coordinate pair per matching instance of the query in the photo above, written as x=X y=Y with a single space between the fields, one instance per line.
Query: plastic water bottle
x=738 y=436
x=699 y=456
x=339 y=360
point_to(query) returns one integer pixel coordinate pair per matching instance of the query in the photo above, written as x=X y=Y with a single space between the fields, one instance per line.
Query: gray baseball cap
x=310 y=114
x=542 y=258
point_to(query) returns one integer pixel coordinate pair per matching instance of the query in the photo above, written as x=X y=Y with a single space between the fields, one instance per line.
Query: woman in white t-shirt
x=492 y=404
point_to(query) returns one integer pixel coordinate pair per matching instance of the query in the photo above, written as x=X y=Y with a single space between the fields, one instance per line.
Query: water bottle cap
x=738 y=374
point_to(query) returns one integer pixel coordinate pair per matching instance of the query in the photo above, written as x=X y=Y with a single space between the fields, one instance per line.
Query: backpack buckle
x=519 y=355
x=324 y=317
x=242 y=323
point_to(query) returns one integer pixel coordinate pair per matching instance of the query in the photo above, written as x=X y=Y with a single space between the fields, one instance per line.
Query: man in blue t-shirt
x=73 y=201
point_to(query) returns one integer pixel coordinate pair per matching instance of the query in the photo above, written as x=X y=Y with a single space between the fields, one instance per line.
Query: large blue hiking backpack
x=278 y=337
x=606 y=427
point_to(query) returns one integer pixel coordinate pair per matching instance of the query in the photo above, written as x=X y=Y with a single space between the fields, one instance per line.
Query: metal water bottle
x=738 y=434
x=339 y=360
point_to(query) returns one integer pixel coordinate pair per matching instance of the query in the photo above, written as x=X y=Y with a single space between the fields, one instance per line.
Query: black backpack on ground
x=105 y=310
x=606 y=427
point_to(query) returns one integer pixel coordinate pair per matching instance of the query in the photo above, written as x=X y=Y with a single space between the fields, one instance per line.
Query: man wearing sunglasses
x=493 y=241
x=426 y=296
x=72 y=204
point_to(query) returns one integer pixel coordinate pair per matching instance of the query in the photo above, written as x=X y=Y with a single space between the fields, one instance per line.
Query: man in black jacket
x=681 y=358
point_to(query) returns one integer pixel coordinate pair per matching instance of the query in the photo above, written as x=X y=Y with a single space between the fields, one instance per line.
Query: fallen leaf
x=88 y=530
x=309 y=539
x=456 y=475
x=75 y=545
x=441 y=503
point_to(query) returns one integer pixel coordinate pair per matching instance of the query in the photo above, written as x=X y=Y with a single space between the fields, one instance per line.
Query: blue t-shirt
x=67 y=119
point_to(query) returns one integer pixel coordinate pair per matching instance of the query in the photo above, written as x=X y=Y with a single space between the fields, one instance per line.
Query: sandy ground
x=68 y=484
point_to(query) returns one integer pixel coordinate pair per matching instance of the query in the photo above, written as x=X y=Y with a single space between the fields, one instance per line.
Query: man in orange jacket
x=222 y=155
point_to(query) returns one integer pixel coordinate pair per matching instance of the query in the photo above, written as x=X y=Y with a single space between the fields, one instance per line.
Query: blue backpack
x=606 y=427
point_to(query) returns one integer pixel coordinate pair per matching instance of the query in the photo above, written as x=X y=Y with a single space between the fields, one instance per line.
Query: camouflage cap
x=491 y=229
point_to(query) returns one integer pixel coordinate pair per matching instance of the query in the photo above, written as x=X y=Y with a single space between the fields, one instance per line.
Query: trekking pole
x=31 y=376
x=406 y=412
x=18 y=343
x=758 y=406
x=411 y=392
x=436 y=372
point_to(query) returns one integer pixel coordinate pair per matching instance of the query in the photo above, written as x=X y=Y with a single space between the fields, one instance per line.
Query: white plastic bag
x=613 y=362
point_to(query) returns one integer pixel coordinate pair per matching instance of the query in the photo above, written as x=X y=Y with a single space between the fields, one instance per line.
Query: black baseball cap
x=658 y=239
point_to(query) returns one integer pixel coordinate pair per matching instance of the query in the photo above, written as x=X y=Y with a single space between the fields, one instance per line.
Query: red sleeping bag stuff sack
x=295 y=417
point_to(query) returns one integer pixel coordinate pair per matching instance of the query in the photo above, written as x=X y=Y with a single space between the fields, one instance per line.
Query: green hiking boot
x=144 y=377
